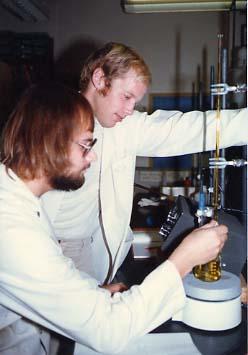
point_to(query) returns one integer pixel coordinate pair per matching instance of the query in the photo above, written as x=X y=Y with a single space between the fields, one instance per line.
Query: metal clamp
x=223 y=89
x=221 y=163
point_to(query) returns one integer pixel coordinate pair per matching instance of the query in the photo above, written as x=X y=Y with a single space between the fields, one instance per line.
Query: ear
x=98 y=79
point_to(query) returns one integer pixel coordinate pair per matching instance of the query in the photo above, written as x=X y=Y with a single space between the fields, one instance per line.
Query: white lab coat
x=19 y=336
x=37 y=282
x=163 y=133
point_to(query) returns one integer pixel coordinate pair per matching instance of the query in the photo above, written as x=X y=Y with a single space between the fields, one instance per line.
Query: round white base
x=211 y=305
x=212 y=315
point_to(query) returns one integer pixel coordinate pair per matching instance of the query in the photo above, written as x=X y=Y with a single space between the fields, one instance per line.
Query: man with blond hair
x=114 y=79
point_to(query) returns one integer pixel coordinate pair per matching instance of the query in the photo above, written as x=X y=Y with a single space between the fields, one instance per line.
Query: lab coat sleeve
x=171 y=133
x=44 y=286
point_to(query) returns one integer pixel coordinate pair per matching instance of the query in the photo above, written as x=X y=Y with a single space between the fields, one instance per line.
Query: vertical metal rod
x=233 y=11
x=200 y=107
x=224 y=74
x=223 y=106
x=245 y=201
x=217 y=150
x=212 y=107
x=212 y=81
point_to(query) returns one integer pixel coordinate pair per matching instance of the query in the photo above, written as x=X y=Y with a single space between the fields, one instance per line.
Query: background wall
x=178 y=47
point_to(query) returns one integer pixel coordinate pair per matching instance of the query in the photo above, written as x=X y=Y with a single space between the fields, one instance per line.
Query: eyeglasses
x=87 y=147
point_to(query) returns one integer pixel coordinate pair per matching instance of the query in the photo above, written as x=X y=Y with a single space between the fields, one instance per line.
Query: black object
x=181 y=220
x=233 y=255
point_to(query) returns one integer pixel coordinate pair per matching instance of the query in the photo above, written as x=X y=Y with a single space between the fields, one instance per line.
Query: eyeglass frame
x=87 y=148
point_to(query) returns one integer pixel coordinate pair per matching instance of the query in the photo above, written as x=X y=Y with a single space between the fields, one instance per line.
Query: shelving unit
x=25 y=58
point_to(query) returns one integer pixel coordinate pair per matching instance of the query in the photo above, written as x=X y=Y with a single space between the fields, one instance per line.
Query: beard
x=66 y=183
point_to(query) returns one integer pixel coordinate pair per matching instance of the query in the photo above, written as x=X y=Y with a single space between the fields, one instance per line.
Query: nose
x=91 y=156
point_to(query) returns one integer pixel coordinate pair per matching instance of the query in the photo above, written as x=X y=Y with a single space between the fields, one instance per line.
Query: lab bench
x=228 y=342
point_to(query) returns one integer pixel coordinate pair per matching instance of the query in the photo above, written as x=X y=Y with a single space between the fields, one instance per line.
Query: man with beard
x=46 y=145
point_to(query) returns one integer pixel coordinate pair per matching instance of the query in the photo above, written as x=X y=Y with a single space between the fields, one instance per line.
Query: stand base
x=217 y=308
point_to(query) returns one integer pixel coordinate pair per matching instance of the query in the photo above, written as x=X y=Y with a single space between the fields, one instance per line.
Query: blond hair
x=115 y=60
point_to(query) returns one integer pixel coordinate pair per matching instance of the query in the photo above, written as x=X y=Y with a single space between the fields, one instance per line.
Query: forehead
x=130 y=83
x=84 y=121
x=83 y=136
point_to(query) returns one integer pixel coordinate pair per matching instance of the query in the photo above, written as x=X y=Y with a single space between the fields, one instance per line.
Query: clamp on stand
x=221 y=163
x=223 y=88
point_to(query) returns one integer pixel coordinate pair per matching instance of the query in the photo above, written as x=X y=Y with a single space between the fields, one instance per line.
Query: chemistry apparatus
x=212 y=290
x=211 y=271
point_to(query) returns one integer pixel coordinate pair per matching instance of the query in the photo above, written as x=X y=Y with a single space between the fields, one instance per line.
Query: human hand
x=244 y=290
x=199 y=247
x=113 y=288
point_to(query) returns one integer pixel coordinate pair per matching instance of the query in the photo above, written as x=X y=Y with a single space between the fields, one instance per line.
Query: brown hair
x=115 y=59
x=38 y=133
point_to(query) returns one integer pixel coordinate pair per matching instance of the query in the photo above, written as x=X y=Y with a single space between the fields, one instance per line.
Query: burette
x=217 y=146
x=212 y=270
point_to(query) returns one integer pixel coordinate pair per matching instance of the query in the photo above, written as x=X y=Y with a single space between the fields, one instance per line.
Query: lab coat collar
x=9 y=181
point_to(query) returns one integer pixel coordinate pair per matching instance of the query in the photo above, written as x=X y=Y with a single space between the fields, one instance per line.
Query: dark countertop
x=228 y=342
